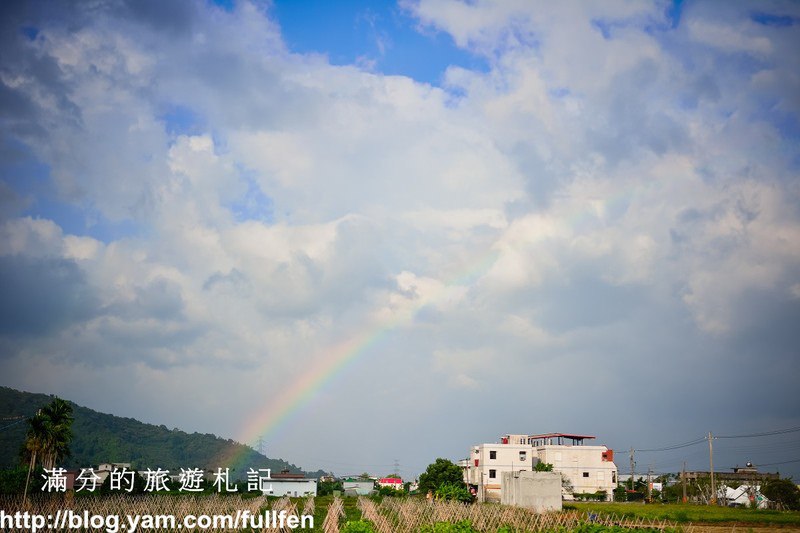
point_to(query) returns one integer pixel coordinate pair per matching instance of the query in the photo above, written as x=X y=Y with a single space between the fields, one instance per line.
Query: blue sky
x=595 y=202
x=381 y=35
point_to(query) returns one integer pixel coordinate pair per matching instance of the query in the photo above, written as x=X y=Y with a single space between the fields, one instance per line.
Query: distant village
x=537 y=471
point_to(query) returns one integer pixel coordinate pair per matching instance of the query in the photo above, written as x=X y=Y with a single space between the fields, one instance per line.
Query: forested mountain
x=103 y=438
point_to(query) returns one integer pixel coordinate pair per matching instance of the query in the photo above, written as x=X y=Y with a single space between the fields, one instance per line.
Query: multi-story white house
x=589 y=469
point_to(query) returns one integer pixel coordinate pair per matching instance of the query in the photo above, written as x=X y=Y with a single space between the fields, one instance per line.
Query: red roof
x=395 y=480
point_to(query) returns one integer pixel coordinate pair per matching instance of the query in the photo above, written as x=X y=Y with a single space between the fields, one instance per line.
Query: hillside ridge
x=106 y=438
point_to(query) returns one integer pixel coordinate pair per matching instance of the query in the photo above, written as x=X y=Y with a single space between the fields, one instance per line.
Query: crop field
x=706 y=514
x=335 y=515
x=412 y=515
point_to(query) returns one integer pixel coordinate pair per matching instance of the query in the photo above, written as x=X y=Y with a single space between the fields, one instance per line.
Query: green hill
x=102 y=438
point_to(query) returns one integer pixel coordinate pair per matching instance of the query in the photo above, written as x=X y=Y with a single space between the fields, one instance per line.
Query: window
x=613 y=477
x=522 y=456
x=492 y=454
x=492 y=474
x=586 y=474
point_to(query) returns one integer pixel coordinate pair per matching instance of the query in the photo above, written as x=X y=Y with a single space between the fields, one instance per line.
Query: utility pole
x=683 y=481
x=649 y=484
x=632 y=464
x=713 y=500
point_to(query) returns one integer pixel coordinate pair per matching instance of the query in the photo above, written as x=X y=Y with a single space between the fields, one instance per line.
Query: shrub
x=389 y=491
x=357 y=526
x=454 y=491
x=599 y=496
x=465 y=526
x=12 y=480
x=782 y=491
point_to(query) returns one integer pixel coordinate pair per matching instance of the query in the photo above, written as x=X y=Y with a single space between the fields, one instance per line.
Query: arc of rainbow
x=329 y=364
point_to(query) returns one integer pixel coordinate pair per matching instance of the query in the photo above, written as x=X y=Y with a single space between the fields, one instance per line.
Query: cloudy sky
x=376 y=232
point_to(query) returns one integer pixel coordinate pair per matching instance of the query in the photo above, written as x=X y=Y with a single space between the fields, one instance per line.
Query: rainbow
x=333 y=361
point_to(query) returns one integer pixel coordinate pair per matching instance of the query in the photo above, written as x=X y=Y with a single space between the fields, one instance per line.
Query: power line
x=12 y=424
x=703 y=439
x=675 y=446
x=781 y=463
x=764 y=434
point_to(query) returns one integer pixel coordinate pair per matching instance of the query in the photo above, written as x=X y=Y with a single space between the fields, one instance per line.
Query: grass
x=321 y=504
x=692 y=513
x=680 y=513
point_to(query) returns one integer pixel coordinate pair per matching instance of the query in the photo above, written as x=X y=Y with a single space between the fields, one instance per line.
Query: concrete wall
x=540 y=491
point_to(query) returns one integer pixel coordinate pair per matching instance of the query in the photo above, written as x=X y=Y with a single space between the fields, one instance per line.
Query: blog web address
x=112 y=523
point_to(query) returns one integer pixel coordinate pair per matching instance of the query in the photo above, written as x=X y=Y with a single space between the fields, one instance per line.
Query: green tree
x=325 y=488
x=543 y=467
x=782 y=491
x=454 y=491
x=58 y=417
x=438 y=473
x=48 y=437
x=34 y=445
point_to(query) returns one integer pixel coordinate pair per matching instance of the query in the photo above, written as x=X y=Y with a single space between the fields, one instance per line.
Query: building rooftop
x=287 y=475
x=546 y=439
x=565 y=435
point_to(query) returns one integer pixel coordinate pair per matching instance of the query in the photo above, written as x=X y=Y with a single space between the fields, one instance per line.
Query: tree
x=58 y=416
x=782 y=491
x=49 y=435
x=34 y=444
x=438 y=473
x=543 y=467
x=452 y=491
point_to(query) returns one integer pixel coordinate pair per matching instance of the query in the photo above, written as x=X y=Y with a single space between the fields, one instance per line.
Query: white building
x=588 y=469
x=285 y=484
x=358 y=487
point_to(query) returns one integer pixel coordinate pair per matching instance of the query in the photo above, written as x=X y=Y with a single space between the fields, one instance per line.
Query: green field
x=351 y=511
x=680 y=513
x=692 y=513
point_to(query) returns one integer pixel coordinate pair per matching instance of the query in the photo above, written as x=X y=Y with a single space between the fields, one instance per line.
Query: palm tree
x=34 y=444
x=49 y=435
x=59 y=419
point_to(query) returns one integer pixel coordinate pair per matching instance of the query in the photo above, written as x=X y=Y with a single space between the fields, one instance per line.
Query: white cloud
x=587 y=194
